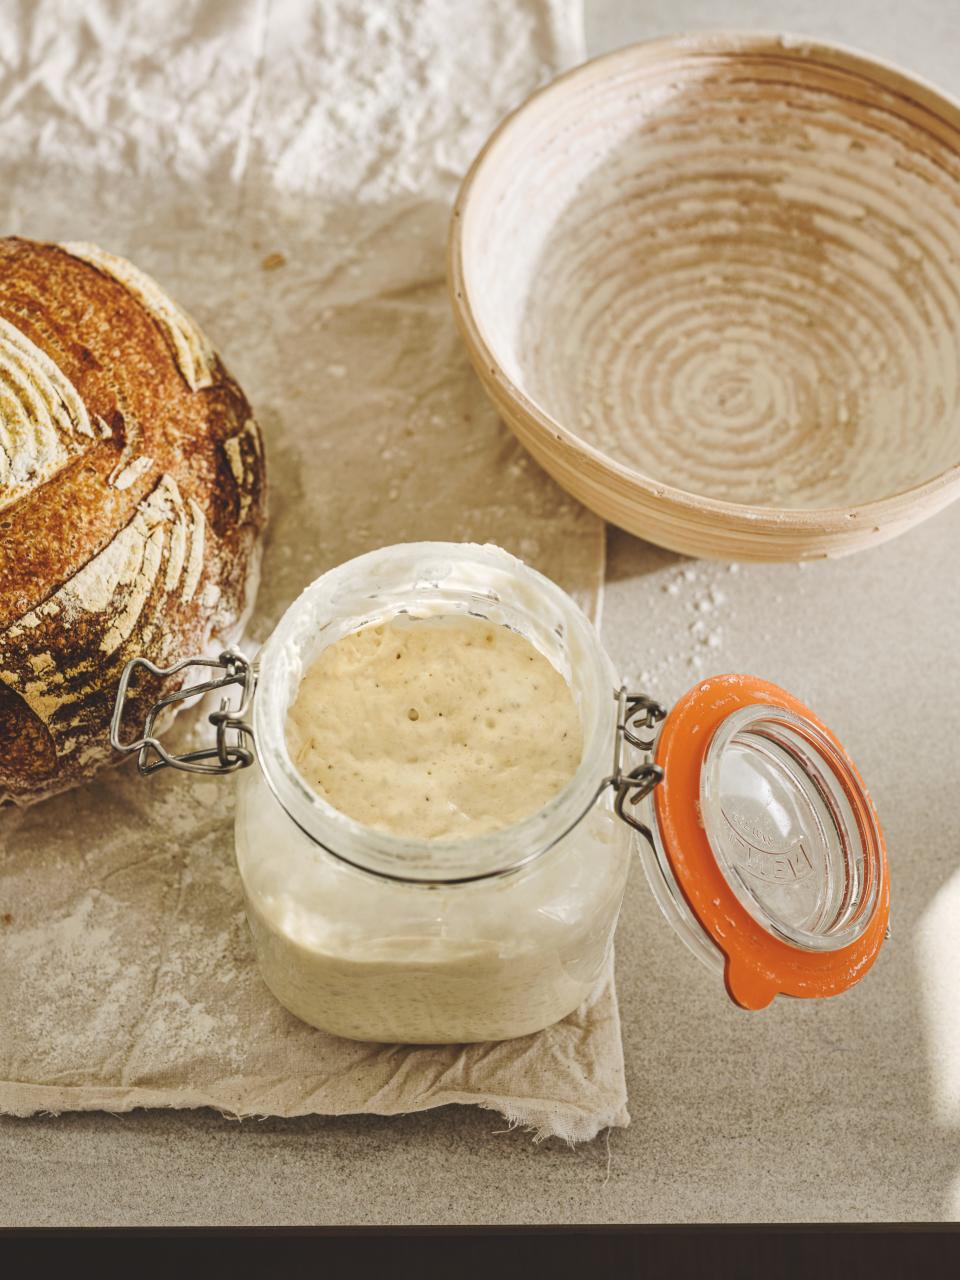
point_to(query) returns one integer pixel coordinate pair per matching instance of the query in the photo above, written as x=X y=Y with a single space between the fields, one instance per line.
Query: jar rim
x=464 y=577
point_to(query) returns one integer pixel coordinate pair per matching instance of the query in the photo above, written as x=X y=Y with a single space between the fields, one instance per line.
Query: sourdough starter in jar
x=455 y=869
x=435 y=728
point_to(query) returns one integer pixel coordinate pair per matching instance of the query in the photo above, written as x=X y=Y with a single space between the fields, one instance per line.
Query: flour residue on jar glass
x=435 y=728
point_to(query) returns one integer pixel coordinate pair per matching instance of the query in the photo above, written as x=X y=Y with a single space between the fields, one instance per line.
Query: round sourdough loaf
x=131 y=502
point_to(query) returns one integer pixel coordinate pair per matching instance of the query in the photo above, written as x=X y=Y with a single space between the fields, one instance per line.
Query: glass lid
x=769 y=835
x=774 y=800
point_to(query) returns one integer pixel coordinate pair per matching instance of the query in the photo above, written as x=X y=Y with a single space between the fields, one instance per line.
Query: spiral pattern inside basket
x=750 y=289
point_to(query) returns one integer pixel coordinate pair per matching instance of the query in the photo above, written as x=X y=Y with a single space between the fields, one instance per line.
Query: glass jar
x=375 y=937
x=761 y=844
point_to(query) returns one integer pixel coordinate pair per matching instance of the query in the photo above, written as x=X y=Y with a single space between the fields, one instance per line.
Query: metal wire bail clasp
x=637 y=722
x=234 y=746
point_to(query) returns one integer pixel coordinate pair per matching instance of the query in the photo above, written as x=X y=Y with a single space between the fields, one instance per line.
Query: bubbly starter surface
x=435 y=728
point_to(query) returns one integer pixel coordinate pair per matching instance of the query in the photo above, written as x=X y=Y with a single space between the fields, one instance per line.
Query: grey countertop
x=846 y=1109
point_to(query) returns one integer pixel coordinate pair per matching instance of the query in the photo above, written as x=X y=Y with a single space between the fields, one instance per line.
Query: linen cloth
x=286 y=170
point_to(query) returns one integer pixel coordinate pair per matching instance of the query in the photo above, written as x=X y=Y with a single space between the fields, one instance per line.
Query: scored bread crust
x=132 y=503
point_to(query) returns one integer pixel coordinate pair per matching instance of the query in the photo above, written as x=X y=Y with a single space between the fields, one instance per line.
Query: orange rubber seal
x=759 y=965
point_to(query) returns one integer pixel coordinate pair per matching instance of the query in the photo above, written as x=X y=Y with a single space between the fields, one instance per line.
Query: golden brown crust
x=133 y=530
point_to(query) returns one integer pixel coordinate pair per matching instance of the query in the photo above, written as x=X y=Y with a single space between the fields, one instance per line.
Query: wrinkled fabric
x=285 y=169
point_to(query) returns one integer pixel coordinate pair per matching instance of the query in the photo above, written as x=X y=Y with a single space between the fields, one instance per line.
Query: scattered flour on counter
x=690 y=628
x=685 y=636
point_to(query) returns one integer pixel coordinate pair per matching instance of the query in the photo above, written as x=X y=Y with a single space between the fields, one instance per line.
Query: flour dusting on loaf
x=194 y=354
x=131 y=502
x=42 y=418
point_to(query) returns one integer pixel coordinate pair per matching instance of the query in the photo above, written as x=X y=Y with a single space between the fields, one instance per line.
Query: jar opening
x=435 y=579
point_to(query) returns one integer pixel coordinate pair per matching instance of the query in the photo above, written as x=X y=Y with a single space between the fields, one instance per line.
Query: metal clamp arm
x=234 y=744
x=636 y=724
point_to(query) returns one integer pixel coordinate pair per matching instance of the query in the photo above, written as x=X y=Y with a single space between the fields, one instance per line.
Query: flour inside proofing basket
x=285 y=170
